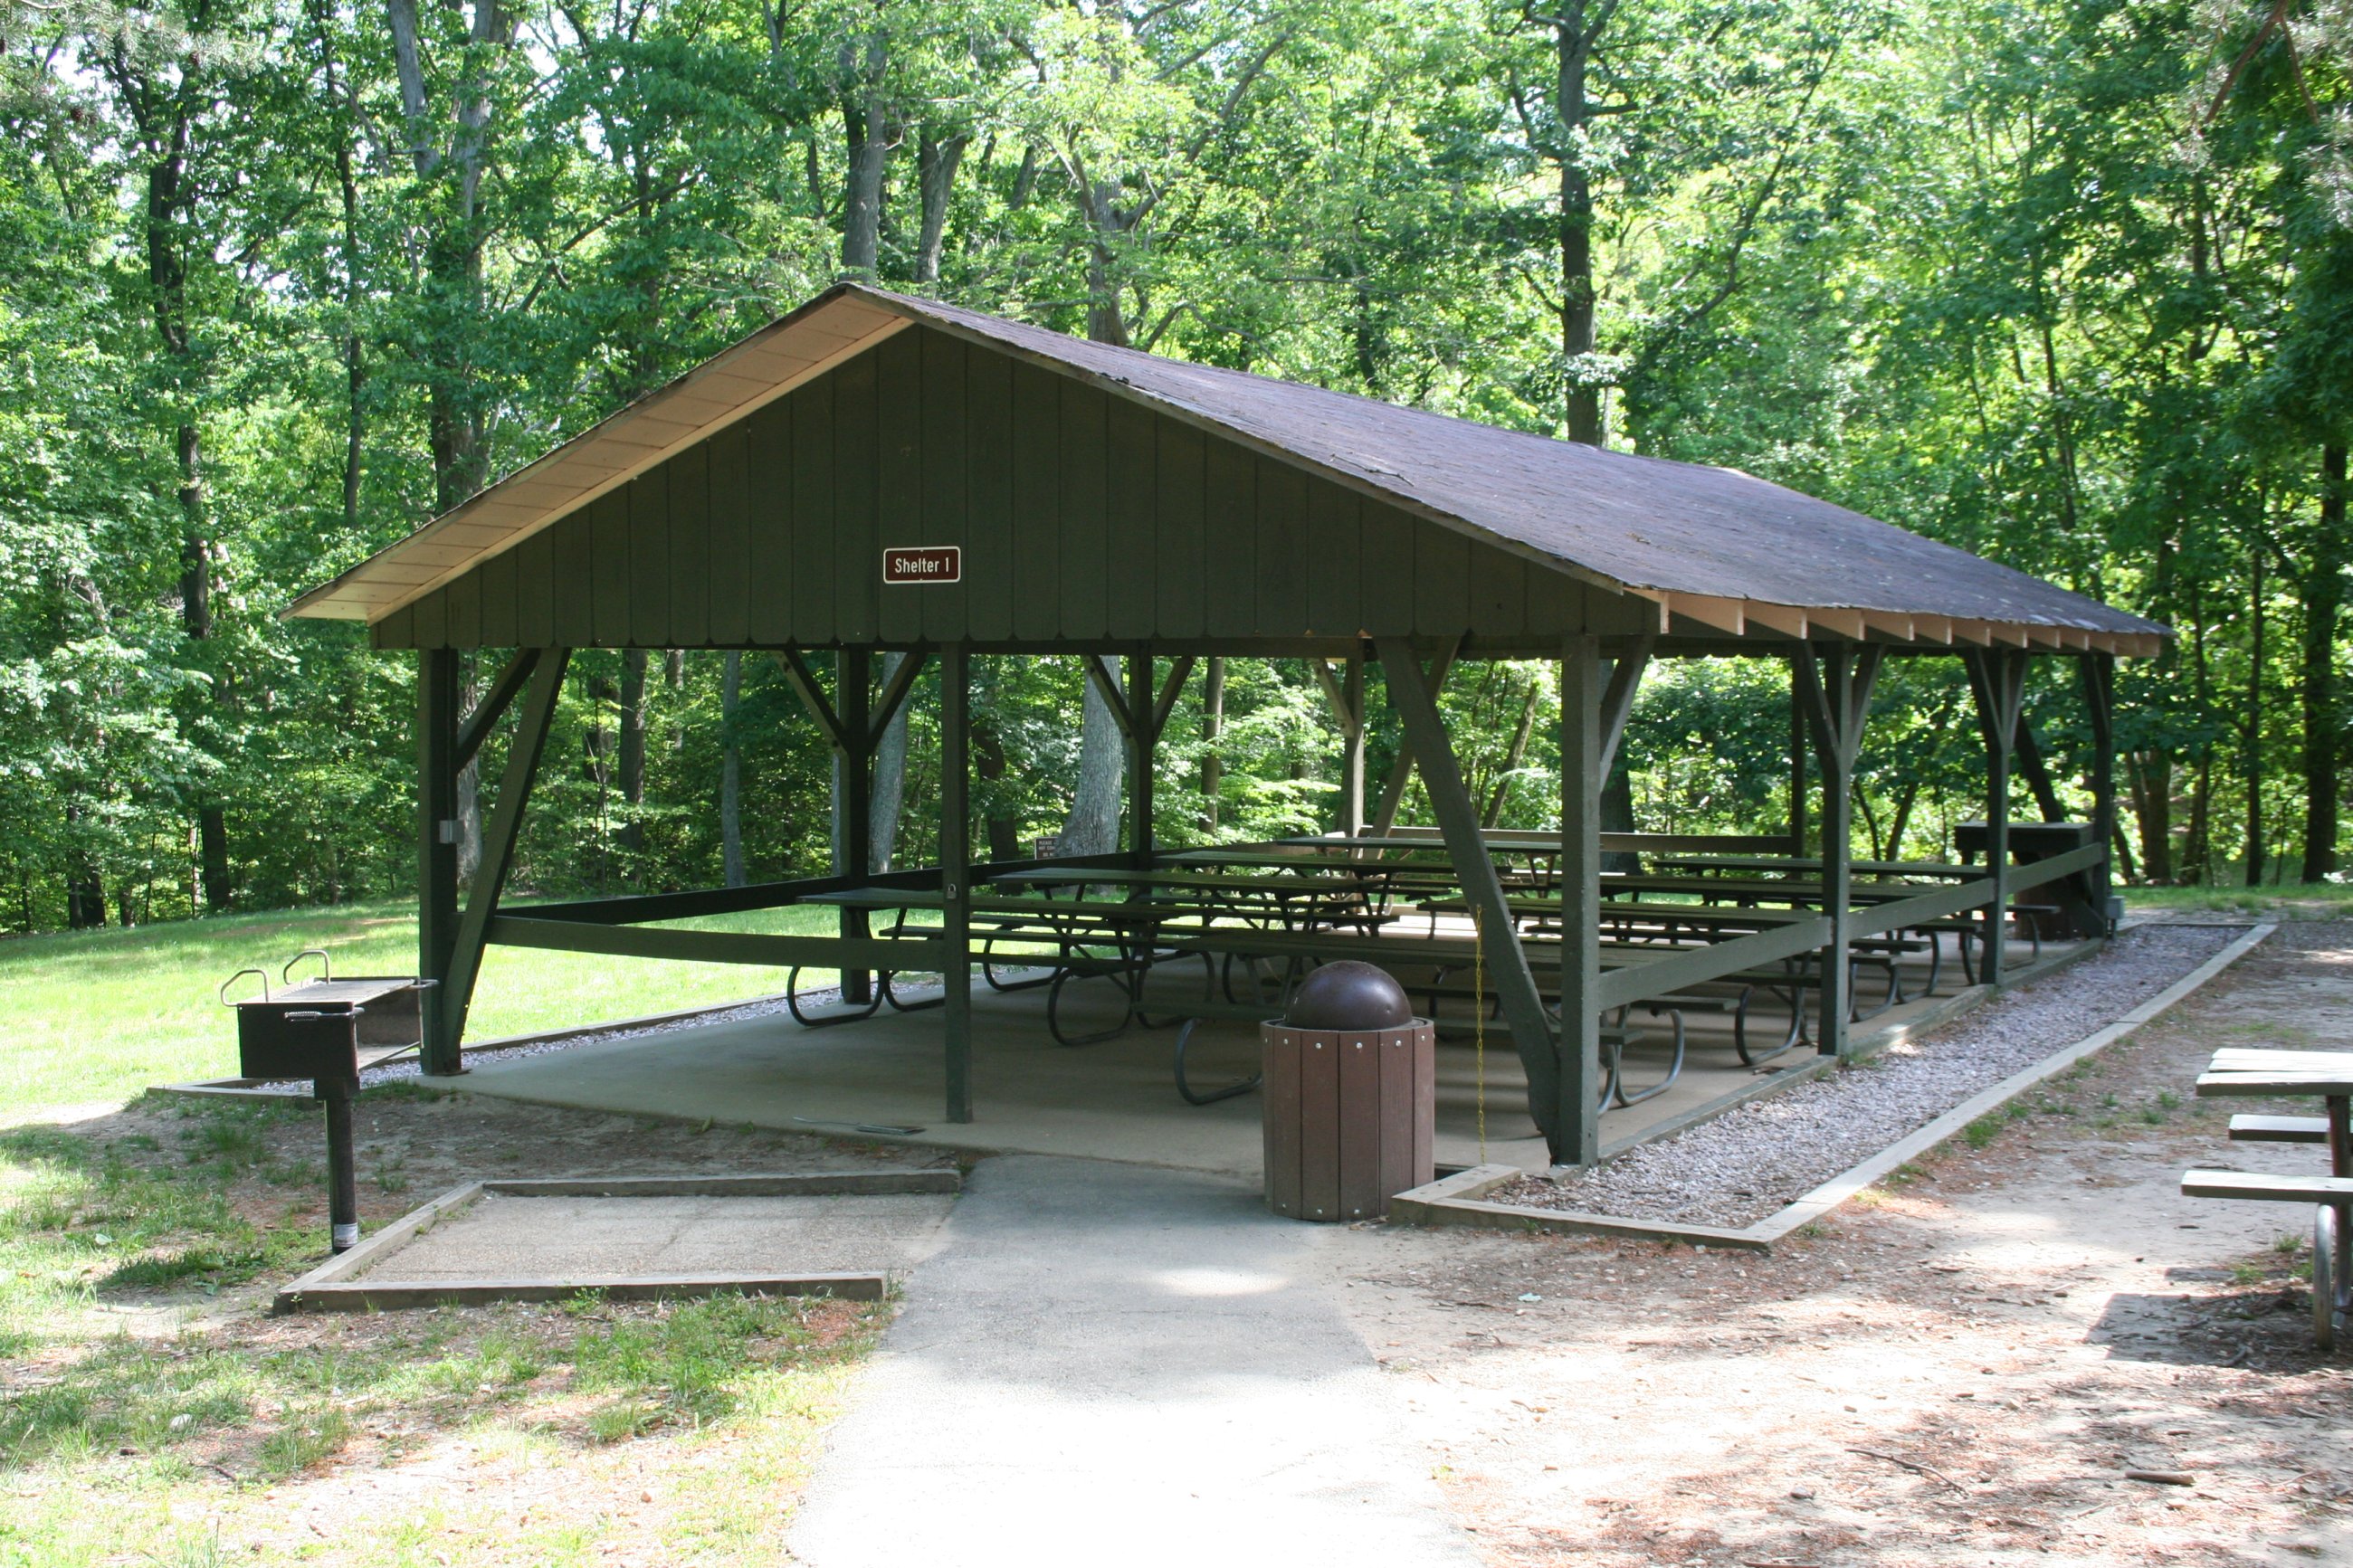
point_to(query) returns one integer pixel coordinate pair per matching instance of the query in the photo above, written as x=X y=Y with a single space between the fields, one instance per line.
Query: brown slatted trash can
x=1350 y=1096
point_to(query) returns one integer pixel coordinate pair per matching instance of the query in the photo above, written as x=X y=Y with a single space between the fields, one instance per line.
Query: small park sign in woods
x=923 y=563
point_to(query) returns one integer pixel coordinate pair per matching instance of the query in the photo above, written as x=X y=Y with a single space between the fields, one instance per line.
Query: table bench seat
x=2266 y=1188
x=2279 y=1130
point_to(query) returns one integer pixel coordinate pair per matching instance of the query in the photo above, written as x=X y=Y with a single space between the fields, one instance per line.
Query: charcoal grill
x=326 y=1030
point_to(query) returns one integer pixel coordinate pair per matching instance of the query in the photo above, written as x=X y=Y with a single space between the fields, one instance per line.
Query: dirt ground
x=1958 y=1369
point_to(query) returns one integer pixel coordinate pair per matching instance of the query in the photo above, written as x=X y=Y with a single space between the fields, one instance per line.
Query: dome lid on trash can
x=1348 y=995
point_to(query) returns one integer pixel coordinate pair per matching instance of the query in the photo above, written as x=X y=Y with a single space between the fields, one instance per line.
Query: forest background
x=2068 y=282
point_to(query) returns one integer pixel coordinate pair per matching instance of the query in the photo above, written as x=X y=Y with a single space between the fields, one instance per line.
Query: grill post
x=342 y=1180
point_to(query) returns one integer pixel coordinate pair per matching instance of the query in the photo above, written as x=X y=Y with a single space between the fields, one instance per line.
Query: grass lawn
x=151 y=1412
x=2290 y=900
x=99 y=1016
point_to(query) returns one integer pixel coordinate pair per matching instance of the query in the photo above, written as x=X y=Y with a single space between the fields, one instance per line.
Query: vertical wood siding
x=1081 y=517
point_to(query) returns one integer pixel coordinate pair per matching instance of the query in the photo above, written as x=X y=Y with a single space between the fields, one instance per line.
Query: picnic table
x=1245 y=895
x=2327 y=1075
x=1767 y=865
x=1027 y=940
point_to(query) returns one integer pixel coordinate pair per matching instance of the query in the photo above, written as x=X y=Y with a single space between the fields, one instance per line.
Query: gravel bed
x=1767 y=1153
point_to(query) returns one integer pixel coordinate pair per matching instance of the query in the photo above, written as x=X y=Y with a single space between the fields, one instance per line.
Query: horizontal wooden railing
x=1880 y=918
x=635 y=908
x=1697 y=965
x=2035 y=873
x=769 y=950
x=1629 y=843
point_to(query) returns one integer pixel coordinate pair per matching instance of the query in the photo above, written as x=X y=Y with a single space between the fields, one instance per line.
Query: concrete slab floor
x=504 y=1236
x=1114 y=1100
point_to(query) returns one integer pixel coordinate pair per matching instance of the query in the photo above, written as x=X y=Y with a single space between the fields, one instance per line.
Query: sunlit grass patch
x=103 y=1015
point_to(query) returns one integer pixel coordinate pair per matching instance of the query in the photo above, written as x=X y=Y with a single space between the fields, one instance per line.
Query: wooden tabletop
x=2238 y=1070
x=1941 y=870
x=1206 y=881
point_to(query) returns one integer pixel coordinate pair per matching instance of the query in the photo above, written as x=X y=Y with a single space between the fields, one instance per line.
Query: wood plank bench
x=2266 y=1188
x=2252 y=1073
x=2279 y=1130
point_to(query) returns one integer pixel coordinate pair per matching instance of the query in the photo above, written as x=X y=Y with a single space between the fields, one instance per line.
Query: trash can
x=1350 y=1096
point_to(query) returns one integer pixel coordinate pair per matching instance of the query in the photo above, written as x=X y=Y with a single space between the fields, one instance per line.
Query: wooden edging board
x=337 y=1286
x=1461 y=1199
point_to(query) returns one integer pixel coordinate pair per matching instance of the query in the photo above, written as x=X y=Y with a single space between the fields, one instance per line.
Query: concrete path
x=1115 y=1364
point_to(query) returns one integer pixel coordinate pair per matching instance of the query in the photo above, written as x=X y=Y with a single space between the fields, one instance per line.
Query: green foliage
x=2069 y=282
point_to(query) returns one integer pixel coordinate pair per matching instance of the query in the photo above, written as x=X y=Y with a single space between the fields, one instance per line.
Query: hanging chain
x=1478 y=1022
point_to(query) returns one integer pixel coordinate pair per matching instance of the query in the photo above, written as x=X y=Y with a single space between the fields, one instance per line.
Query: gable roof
x=1718 y=546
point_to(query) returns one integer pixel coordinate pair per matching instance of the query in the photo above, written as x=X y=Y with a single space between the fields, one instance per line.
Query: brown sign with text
x=923 y=563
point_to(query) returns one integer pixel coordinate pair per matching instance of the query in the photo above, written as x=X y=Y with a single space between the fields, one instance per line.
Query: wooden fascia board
x=1659 y=597
x=1724 y=614
x=1787 y=619
x=1846 y=623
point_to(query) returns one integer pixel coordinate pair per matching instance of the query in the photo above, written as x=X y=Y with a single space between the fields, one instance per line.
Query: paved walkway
x=1114 y=1364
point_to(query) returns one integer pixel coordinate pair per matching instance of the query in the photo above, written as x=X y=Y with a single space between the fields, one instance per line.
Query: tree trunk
x=674 y=679
x=1092 y=825
x=2149 y=776
x=2253 y=751
x=453 y=249
x=354 y=358
x=731 y=771
x=890 y=776
x=1581 y=400
x=868 y=141
x=632 y=761
x=989 y=761
x=1213 y=725
x=2323 y=720
x=85 y=893
x=1617 y=814
x=1511 y=760
x=936 y=171
x=1106 y=323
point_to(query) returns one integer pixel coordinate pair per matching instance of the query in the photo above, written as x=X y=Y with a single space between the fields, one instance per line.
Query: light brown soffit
x=755 y=372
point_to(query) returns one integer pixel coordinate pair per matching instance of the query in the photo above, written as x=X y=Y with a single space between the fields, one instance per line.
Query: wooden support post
x=853 y=793
x=1458 y=820
x=1835 y=698
x=455 y=994
x=956 y=874
x=436 y=844
x=2099 y=673
x=1401 y=771
x=1997 y=678
x=1213 y=724
x=1797 y=756
x=1142 y=743
x=1352 y=753
x=1618 y=701
x=493 y=703
x=1584 y=763
x=1344 y=694
x=2037 y=773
